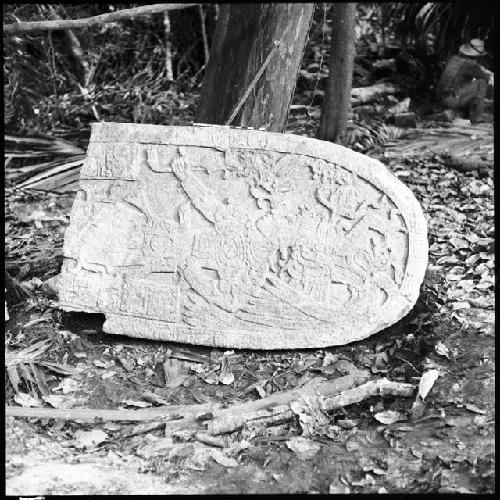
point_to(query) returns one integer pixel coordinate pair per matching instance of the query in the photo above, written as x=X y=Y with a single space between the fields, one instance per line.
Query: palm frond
x=452 y=23
x=47 y=164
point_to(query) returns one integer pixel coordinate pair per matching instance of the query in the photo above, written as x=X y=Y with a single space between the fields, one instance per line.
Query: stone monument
x=239 y=238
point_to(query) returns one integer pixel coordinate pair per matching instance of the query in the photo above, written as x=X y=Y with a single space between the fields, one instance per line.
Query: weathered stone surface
x=239 y=238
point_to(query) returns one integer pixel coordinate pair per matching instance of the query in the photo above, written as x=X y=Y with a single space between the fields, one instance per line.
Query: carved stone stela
x=239 y=238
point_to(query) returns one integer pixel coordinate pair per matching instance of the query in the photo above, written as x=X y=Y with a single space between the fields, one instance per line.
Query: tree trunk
x=247 y=68
x=336 y=105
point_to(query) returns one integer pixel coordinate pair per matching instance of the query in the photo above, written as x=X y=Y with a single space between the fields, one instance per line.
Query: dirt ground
x=446 y=445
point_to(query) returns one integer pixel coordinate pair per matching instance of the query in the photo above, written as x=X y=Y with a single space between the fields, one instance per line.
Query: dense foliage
x=45 y=85
x=449 y=24
x=58 y=82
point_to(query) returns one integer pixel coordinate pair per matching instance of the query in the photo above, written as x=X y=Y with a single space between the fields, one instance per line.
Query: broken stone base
x=239 y=238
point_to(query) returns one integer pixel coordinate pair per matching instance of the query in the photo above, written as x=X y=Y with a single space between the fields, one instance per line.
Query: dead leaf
x=154 y=398
x=389 y=417
x=128 y=364
x=158 y=447
x=346 y=367
x=23 y=399
x=173 y=372
x=199 y=368
x=39 y=377
x=32 y=285
x=442 y=350
x=210 y=440
x=61 y=369
x=90 y=439
x=303 y=447
x=311 y=416
x=67 y=386
x=211 y=379
x=226 y=378
x=380 y=362
x=347 y=423
x=14 y=378
x=59 y=401
x=329 y=359
x=222 y=459
x=474 y=408
x=198 y=460
x=417 y=408
x=260 y=387
x=426 y=382
x=137 y=404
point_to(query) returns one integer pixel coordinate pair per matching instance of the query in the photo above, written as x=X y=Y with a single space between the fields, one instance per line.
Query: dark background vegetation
x=45 y=92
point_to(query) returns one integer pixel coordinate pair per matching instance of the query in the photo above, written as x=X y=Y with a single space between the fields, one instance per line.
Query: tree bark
x=336 y=105
x=245 y=43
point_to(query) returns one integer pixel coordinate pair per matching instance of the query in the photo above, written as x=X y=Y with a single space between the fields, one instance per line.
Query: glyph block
x=239 y=238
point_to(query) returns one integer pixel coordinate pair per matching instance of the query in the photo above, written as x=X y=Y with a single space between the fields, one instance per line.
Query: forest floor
x=382 y=444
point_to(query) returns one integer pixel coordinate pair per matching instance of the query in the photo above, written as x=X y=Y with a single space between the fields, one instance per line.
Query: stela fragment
x=239 y=238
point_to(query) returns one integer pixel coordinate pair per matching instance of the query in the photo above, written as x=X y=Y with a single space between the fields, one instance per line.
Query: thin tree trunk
x=169 y=70
x=206 y=51
x=336 y=105
x=245 y=44
x=75 y=48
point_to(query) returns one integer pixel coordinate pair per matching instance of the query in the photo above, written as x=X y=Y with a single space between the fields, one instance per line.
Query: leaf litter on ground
x=447 y=257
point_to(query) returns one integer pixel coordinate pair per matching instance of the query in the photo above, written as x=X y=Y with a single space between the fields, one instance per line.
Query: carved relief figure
x=316 y=261
x=308 y=260
x=229 y=263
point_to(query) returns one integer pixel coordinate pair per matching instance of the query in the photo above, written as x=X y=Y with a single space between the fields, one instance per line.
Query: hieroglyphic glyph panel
x=239 y=238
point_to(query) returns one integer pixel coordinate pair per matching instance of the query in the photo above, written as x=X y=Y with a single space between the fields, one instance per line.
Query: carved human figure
x=229 y=263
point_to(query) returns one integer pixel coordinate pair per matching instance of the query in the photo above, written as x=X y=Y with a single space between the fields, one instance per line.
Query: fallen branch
x=87 y=22
x=365 y=95
x=273 y=410
x=183 y=412
x=188 y=413
x=233 y=419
